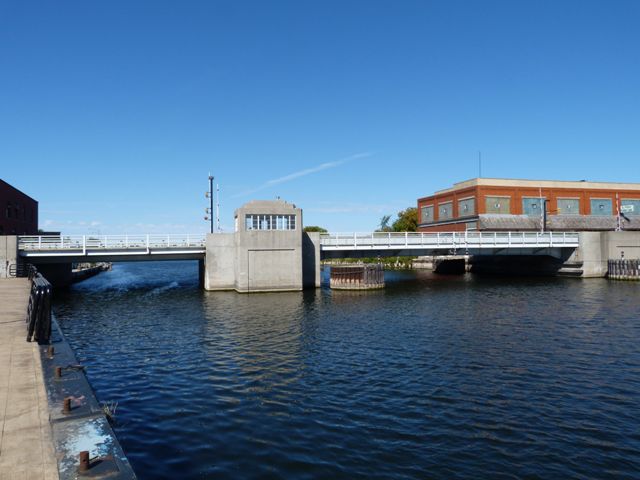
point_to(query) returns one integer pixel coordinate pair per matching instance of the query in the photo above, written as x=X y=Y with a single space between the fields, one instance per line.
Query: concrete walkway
x=26 y=447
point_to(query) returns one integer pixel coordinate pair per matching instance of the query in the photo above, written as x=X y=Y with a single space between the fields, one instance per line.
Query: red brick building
x=18 y=212
x=517 y=205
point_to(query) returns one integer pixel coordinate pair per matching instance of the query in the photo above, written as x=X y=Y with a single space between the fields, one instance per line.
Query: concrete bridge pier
x=268 y=252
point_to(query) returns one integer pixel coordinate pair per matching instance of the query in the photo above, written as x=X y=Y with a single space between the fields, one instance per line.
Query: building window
x=270 y=222
x=601 y=206
x=466 y=207
x=498 y=205
x=568 y=206
x=630 y=207
x=426 y=214
x=532 y=206
x=445 y=211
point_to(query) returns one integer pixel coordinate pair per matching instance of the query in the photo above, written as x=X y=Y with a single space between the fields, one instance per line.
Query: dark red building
x=18 y=212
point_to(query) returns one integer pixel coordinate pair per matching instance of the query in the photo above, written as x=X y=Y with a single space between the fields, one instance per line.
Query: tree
x=407 y=220
x=315 y=228
x=384 y=224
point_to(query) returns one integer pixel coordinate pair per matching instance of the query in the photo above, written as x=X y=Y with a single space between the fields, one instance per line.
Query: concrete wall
x=311 y=259
x=8 y=253
x=254 y=260
x=596 y=248
x=220 y=262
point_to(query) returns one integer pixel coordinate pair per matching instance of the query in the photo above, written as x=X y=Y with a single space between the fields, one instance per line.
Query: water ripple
x=433 y=377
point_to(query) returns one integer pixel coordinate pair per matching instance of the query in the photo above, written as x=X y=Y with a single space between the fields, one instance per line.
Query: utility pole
x=209 y=209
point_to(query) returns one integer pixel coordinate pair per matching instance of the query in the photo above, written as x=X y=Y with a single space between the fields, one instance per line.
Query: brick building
x=493 y=204
x=18 y=212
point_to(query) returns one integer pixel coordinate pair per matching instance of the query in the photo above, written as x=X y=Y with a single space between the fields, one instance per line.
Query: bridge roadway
x=117 y=248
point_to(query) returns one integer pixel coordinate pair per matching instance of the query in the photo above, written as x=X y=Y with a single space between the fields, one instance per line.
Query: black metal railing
x=22 y=270
x=39 y=310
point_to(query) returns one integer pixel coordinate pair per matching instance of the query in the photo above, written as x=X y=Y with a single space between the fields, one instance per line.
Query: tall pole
x=211 y=201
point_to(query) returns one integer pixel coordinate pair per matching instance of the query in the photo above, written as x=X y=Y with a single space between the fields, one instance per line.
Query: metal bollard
x=84 y=461
x=66 y=405
x=58 y=372
x=50 y=352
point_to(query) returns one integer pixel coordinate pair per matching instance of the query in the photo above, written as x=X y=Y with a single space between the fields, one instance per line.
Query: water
x=435 y=377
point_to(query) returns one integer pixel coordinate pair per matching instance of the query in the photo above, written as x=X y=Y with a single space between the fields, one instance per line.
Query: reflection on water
x=432 y=377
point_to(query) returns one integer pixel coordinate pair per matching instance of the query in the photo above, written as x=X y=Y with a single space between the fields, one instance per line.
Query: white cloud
x=305 y=172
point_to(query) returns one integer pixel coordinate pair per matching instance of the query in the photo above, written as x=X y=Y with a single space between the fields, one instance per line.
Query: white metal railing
x=447 y=240
x=51 y=243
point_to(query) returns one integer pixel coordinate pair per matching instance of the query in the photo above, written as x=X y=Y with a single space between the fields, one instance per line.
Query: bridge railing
x=449 y=240
x=109 y=242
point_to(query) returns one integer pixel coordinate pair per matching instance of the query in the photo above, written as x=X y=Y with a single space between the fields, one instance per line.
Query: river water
x=437 y=377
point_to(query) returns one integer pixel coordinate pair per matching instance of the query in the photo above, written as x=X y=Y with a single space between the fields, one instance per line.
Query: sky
x=112 y=114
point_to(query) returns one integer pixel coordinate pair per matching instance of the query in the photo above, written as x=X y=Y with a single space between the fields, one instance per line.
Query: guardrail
x=43 y=243
x=39 y=310
x=397 y=240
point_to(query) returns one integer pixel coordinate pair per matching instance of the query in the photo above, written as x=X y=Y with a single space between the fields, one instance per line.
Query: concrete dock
x=26 y=445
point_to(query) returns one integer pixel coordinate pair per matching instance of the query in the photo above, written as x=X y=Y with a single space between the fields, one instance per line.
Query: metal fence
x=396 y=240
x=39 y=243
x=39 y=310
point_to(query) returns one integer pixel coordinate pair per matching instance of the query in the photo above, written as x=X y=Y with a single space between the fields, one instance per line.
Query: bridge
x=118 y=248
x=269 y=251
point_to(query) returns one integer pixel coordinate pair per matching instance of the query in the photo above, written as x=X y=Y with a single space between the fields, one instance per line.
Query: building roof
x=507 y=182
x=8 y=186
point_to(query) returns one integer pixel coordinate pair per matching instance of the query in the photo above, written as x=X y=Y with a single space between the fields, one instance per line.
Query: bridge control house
x=492 y=204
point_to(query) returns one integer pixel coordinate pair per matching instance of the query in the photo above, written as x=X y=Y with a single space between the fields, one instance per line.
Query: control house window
x=532 y=206
x=601 y=206
x=630 y=207
x=568 y=206
x=445 y=211
x=426 y=214
x=270 y=222
x=466 y=207
x=498 y=205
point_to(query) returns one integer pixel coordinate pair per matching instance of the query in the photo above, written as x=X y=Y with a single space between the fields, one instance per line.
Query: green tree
x=315 y=228
x=407 y=220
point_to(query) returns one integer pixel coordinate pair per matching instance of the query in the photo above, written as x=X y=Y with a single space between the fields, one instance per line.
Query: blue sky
x=113 y=113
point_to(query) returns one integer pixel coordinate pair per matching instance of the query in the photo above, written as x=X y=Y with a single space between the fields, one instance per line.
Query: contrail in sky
x=305 y=172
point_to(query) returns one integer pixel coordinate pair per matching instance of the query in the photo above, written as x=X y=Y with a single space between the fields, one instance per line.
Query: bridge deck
x=76 y=248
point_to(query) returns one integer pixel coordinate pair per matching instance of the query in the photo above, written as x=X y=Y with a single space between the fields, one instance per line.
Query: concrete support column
x=311 y=259
x=8 y=253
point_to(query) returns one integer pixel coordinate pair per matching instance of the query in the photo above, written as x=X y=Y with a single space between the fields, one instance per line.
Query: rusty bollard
x=58 y=372
x=66 y=405
x=50 y=352
x=84 y=461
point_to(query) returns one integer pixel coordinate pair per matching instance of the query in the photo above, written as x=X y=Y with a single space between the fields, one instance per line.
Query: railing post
x=355 y=239
x=389 y=239
x=147 y=243
x=406 y=239
x=188 y=242
x=105 y=241
x=39 y=242
x=509 y=238
x=61 y=242
x=84 y=244
x=126 y=241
